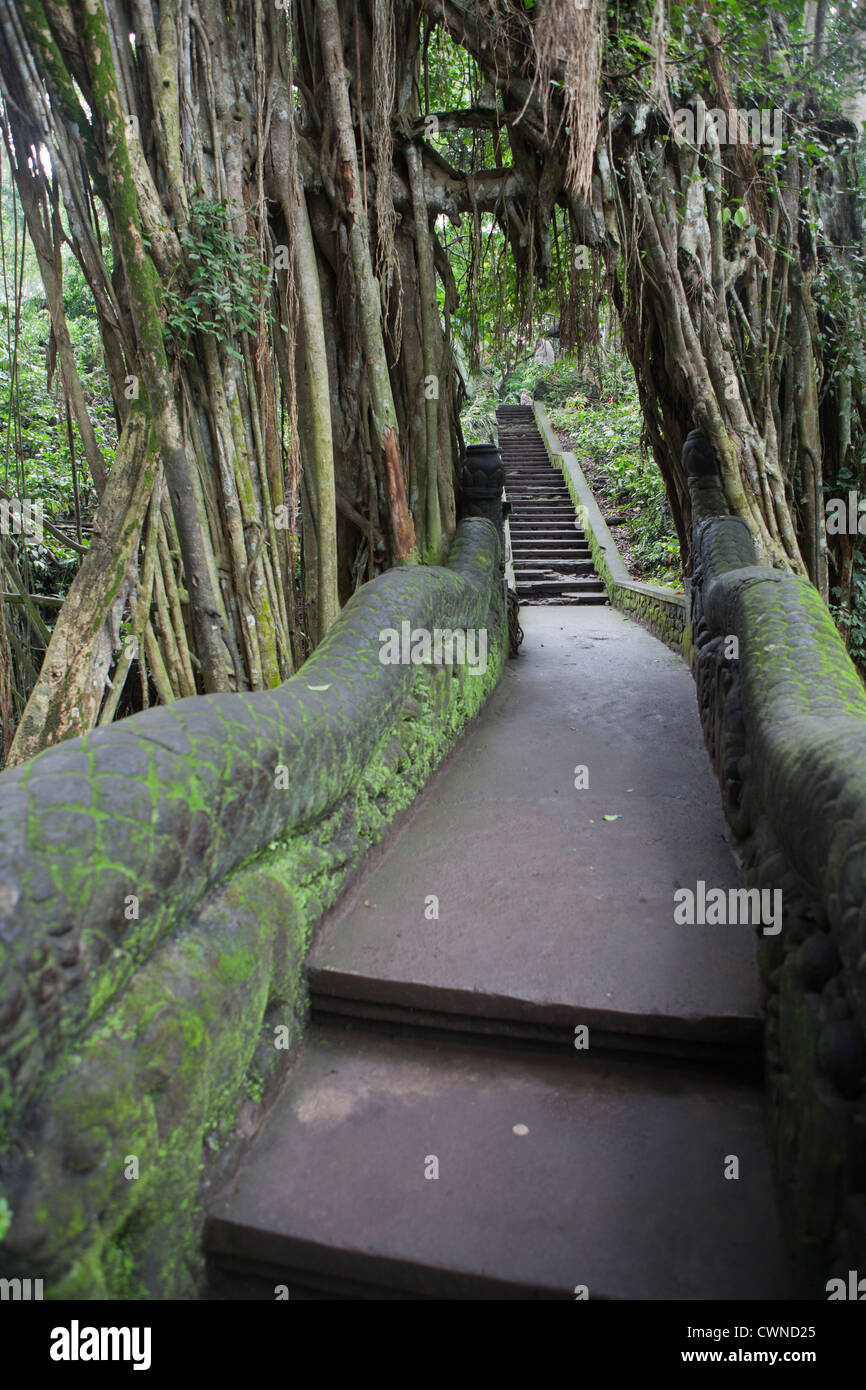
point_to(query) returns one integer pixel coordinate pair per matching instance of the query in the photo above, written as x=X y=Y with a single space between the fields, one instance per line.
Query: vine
x=224 y=284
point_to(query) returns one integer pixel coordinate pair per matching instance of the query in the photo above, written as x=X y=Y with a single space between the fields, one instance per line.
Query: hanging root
x=384 y=70
x=567 y=35
x=658 y=44
x=515 y=631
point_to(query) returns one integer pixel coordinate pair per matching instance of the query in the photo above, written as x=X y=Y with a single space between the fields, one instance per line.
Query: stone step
x=528 y=554
x=528 y=565
x=528 y=573
x=562 y=601
x=529 y=588
x=540 y=542
x=550 y=557
x=531 y=952
x=553 y=534
x=550 y=1173
x=561 y=595
x=533 y=560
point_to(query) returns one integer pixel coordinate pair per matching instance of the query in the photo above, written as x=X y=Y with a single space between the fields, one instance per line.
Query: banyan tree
x=259 y=197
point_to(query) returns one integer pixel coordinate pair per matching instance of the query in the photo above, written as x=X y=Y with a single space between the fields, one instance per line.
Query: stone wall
x=784 y=716
x=160 y=880
x=662 y=611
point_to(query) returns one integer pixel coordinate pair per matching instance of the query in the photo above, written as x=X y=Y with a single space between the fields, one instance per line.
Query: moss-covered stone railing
x=662 y=611
x=160 y=879
x=784 y=715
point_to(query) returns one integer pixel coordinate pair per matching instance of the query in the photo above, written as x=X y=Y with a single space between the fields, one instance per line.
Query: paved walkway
x=453 y=1037
x=548 y=911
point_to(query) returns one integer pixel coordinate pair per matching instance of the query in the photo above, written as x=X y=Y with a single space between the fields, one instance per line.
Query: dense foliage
x=245 y=225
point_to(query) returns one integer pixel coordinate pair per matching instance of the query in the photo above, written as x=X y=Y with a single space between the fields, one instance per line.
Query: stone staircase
x=552 y=561
x=522 y=1079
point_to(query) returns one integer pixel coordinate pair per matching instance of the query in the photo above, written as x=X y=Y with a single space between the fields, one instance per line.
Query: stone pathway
x=522 y=1077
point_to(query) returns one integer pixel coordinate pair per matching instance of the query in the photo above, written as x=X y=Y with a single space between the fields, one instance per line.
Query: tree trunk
x=75 y=672
x=251 y=195
x=188 y=145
